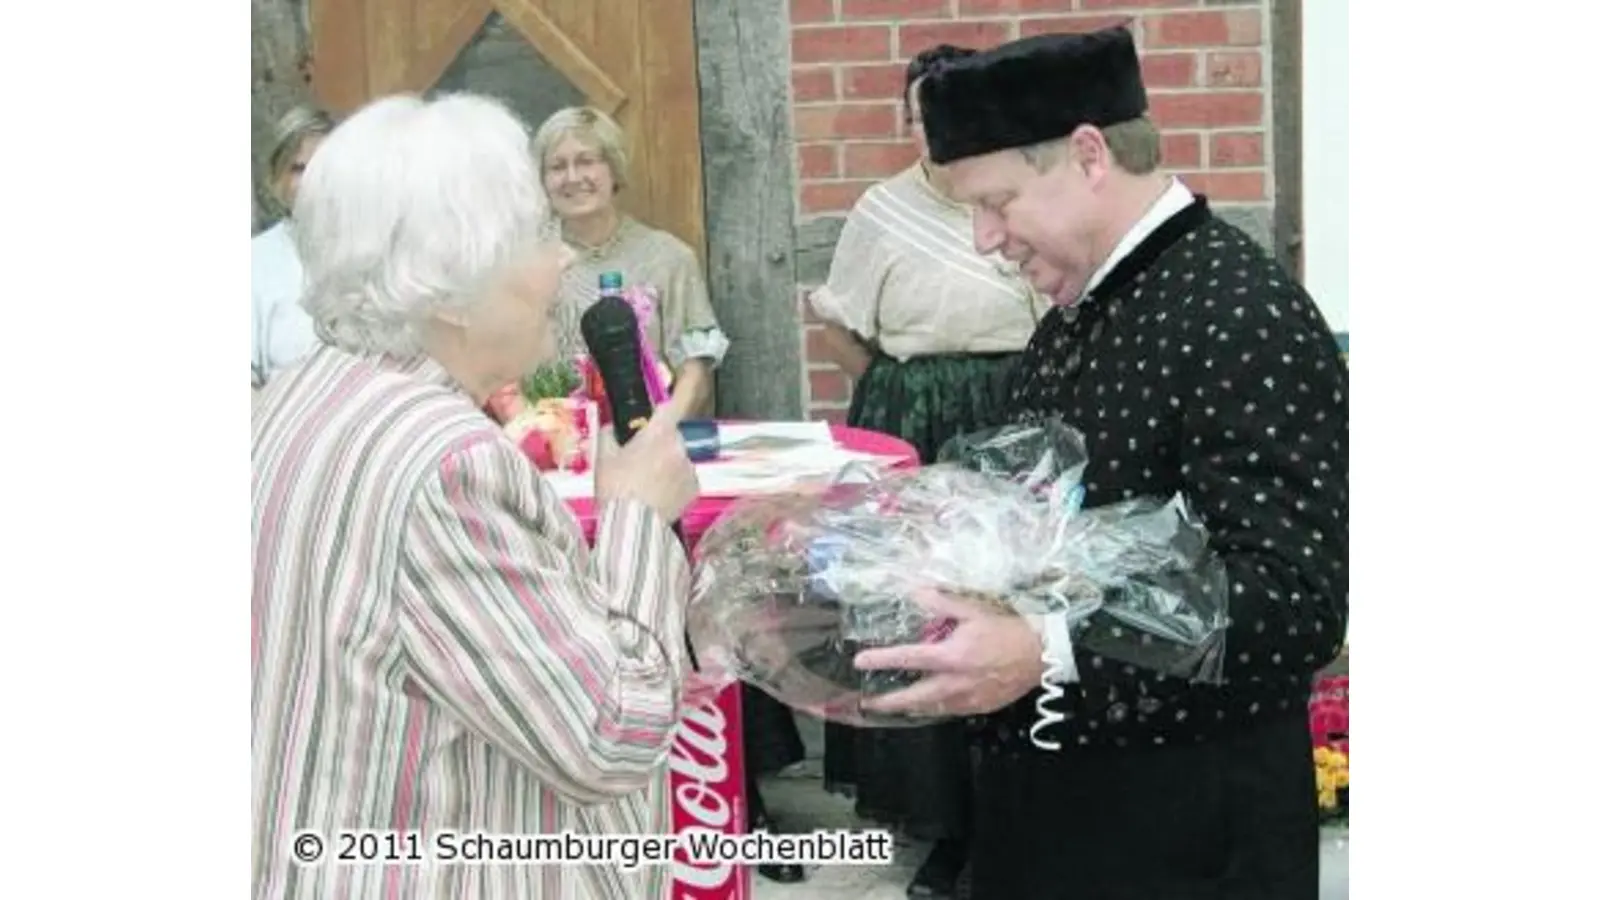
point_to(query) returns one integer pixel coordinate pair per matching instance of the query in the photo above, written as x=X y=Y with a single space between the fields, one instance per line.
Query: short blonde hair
x=292 y=130
x=590 y=126
x=1135 y=147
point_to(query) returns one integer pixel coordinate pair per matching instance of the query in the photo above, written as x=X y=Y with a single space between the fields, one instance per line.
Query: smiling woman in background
x=280 y=330
x=585 y=163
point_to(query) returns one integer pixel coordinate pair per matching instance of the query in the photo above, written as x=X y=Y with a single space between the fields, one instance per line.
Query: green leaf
x=552 y=381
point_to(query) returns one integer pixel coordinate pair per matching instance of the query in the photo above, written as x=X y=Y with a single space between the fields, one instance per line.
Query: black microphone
x=611 y=329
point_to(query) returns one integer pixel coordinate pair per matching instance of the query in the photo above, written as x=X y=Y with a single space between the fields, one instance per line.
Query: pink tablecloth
x=699 y=517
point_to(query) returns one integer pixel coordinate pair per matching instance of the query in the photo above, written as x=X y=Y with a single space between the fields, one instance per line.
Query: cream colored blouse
x=905 y=276
x=683 y=325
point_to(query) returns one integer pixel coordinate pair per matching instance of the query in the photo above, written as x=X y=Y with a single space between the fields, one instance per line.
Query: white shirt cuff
x=709 y=344
x=1061 y=667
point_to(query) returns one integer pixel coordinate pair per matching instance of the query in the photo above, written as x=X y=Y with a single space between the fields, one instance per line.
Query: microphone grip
x=611 y=331
x=626 y=421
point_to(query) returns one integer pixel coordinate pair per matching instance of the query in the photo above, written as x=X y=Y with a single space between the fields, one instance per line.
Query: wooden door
x=635 y=59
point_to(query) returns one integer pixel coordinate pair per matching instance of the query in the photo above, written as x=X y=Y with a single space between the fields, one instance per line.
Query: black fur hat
x=1030 y=91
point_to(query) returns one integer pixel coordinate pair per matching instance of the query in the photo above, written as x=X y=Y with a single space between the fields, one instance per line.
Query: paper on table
x=780 y=471
x=773 y=472
x=732 y=434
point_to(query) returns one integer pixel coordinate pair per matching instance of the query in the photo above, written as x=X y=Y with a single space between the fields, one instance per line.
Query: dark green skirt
x=929 y=400
x=918 y=779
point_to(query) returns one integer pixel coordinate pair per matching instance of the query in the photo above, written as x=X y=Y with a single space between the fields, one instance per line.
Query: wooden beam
x=338 y=53
x=747 y=157
x=435 y=52
x=1288 y=215
x=564 y=55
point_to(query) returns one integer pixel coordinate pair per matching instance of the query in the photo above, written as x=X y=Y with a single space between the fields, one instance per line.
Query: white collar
x=1170 y=203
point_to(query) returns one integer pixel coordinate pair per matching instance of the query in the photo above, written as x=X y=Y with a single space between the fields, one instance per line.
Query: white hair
x=407 y=210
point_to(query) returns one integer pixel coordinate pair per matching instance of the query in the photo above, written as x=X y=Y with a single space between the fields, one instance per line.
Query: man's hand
x=988 y=662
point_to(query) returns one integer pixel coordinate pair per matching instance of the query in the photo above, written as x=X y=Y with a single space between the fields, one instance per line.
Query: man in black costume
x=1194 y=364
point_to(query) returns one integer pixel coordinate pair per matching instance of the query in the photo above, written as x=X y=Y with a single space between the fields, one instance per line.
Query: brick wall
x=1205 y=65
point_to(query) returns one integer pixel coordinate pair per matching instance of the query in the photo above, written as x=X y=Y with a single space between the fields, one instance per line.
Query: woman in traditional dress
x=280 y=330
x=929 y=330
x=585 y=163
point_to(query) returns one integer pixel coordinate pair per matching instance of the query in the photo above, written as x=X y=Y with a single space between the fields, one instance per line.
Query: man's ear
x=1089 y=151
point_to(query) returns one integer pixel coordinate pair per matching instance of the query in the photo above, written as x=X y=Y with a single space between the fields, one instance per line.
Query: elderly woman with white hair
x=433 y=647
x=584 y=158
x=280 y=330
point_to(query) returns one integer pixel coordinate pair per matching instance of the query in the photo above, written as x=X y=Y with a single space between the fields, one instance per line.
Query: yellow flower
x=1327 y=799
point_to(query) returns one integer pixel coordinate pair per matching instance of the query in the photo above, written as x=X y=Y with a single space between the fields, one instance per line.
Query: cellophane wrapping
x=788 y=589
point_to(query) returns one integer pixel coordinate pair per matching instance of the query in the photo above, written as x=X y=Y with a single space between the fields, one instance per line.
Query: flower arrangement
x=1333 y=784
x=540 y=414
x=1330 y=735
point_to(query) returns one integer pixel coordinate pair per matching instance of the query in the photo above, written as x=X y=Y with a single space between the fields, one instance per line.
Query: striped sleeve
x=573 y=670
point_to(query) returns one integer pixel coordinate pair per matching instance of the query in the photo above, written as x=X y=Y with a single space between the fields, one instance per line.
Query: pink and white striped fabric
x=433 y=646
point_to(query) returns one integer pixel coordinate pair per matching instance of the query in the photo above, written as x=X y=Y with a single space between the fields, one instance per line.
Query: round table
x=700 y=516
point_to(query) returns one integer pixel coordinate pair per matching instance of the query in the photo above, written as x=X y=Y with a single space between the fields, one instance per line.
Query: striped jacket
x=433 y=647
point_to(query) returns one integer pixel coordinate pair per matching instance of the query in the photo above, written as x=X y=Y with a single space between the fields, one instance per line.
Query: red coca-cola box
x=707 y=785
x=706 y=781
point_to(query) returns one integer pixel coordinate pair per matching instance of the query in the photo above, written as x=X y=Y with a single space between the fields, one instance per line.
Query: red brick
x=1168 y=69
x=813 y=84
x=831 y=196
x=1239 y=68
x=1232 y=27
x=1071 y=24
x=816 y=347
x=1229 y=187
x=1206 y=110
x=873 y=82
x=819 y=161
x=877 y=160
x=807 y=12
x=916 y=38
x=894 y=10
x=847 y=120
x=828 y=385
x=1180 y=150
x=985 y=7
x=852 y=43
x=1238 y=148
x=834 y=415
x=1120 y=4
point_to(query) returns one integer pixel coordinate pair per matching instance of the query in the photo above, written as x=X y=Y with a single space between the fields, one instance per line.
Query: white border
x=1472 y=264
x=126 y=570
x=126 y=594
x=1325 y=156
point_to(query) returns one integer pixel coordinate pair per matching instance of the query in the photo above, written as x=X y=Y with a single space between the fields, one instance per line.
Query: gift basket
x=788 y=589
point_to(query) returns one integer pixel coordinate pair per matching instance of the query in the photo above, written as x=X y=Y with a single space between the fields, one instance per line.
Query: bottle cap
x=610 y=281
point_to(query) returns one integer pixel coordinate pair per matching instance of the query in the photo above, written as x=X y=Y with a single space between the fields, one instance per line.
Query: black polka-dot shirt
x=1199 y=366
